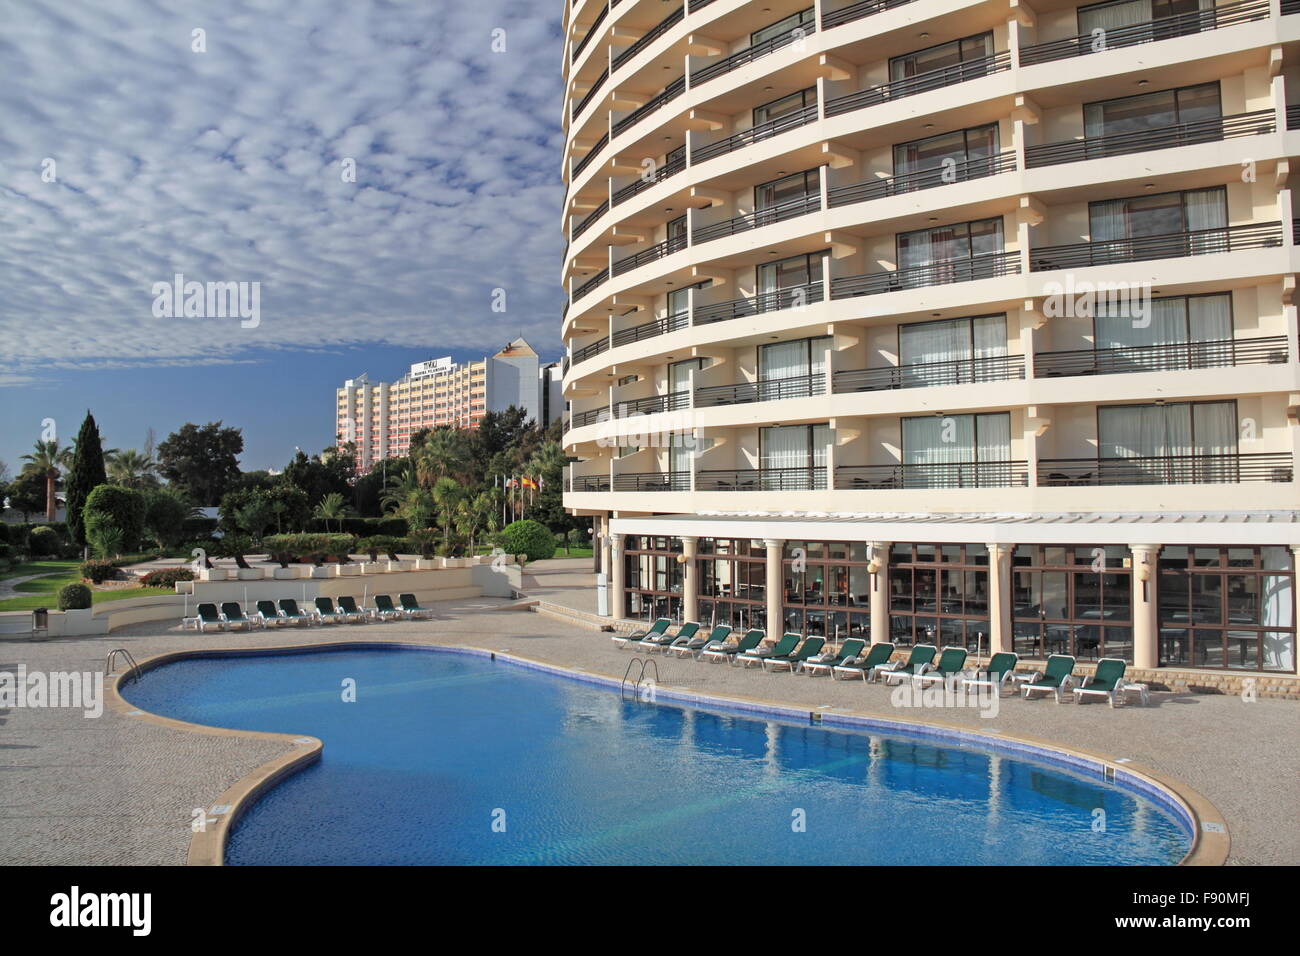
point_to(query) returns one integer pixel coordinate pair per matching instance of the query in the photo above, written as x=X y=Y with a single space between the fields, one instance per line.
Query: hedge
x=99 y=571
x=44 y=541
x=361 y=527
x=527 y=537
x=289 y=548
x=166 y=577
x=74 y=597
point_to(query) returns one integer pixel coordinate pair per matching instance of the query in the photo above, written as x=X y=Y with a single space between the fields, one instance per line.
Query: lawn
x=44 y=590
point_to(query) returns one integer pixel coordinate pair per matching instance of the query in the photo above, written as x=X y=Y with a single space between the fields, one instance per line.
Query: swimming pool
x=450 y=758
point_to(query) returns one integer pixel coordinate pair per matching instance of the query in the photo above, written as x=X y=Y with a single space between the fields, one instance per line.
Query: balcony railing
x=596 y=280
x=653 y=481
x=645 y=182
x=756 y=134
x=771 y=390
x=591 y=154
x=936 y=273
x=664 y=25
x=648 y=330
x=1166 y=469
x=587 y=220
x=751 y=53
x=921 y=83
x=1197 y=242
x=802 y=478
x=1220 y=353
x=993 y=368
x=1184 y=24
x=589 y=417
x=590 y=351
x=589 y=483
x=586 y=38
x=947 y=474
x=857 y=11
x=1293 y=113
x=590 y=94
x=921 y=179
x=778 y=212
x=791 y=298
x=1168 y=137
x=657 y=102
x=654 y=404
x=652 y=254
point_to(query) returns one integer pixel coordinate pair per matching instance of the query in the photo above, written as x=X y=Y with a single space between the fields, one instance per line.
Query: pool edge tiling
x=1208 y=831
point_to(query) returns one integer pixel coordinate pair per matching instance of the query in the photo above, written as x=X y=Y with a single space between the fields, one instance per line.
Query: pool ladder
x=132 y=668
x=640 y=675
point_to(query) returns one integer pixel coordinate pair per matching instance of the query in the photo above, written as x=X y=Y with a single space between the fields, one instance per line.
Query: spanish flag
x=529 y=483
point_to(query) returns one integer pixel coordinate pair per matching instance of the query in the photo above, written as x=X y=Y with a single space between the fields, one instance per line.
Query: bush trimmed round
x=74 y=597
x=528 y=537
x=44 y=541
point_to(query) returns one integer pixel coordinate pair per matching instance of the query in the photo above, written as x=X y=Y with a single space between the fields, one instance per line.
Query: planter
x=214 y=574
x=284 y=574
x=248 y=574
x=349 y=570
x=374 y=567
x=77 y=622
x=427 y=564
x=324 y=571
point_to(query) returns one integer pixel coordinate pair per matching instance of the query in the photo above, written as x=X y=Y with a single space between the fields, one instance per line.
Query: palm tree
x=131 y=469
x=476 y=514
x=333 y=507
x=50 y=460
x=443 y=455
x=447 y=494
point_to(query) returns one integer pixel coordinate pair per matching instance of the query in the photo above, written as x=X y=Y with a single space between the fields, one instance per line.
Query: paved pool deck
x=119 y=790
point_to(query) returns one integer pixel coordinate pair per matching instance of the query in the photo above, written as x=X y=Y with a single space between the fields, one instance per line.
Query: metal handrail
x=1196 y=242
x=1167 y=469
x=798 y=478
x=653 y=481
x=671 y=168
x=669 y=93
x=653 y=254
x=591 y=154
x=856 y=11
x=756 y=134
x=751 y=53
x=943 y=272
x=954 y=474
x=777 y=212
x=132 y=668
x=1167 y=137
x=768 y=390
x=921 y=179
x=921 y=83
x=992 y=368
x=1217 y=353
x=648 y=330
x=664 y=25
x=790 y=298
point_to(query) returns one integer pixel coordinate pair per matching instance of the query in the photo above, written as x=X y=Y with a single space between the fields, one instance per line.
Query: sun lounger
x=1108 y=681
x=947 y=669
x=1056 y=677
x=234 y=616
x=267 y=614
x=918 y=659
x=996 y=673
x=325 y=612
x=412 y=607
x=876 y=655
x=727 y=652
x=384 y=610
x=782 y=648
x=660 y=642
x=348 y=608
x=293 y=614
x=659 y=627
x=808 y=649
x=828 y=661
x=697 y=641
x=210 y=617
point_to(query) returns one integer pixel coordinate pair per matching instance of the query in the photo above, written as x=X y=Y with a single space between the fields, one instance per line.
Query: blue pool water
x=439 y=746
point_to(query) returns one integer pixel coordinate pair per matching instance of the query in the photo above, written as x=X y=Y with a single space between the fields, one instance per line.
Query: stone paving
x=118 y=790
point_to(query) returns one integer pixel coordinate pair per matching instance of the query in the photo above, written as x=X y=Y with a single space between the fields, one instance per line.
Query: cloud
x=226 y=165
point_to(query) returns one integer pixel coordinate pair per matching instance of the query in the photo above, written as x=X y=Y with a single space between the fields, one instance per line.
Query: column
x=617 y=599
x=879 y=598
x=1001 y=636
x=1146 y=626
x=690 y=581
x=775 y=587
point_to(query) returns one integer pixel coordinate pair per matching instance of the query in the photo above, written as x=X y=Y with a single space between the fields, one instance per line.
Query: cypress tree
x=87 y=473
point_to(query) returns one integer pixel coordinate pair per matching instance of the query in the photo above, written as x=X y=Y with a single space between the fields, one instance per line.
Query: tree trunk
x=51 y=505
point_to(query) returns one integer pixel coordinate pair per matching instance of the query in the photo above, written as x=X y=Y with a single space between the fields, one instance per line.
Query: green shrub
x=529 y=538
x=74 y=597
x=4 y=530
x=166 y=577
x=381 y=543
x=99 y=571
x=44 y=541
x=288 y=548
x=112 y=506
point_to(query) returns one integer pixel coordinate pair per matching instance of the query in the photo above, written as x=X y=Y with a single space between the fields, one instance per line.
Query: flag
x=529 y=483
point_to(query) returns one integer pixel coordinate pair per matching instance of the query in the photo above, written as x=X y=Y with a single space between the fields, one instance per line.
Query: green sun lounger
x=659 y=642
x=921 y=656
x=1107 y=681
x=1056 y=677
x=325 y=612
x=384 y=609
x=876 y=655
x=268 y=615
x=995 y=674
x=292 y=613
x=412 y=607
x=697 y=641
x=782 y=648
x=808 y=649
x=659 y=627
x=947 y=669
x=348 y=608
x=827 y=662
x=234 y=616
x=209 y=616
x=728 y=652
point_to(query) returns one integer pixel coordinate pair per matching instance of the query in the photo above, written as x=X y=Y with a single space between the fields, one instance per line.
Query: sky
x=378 y=167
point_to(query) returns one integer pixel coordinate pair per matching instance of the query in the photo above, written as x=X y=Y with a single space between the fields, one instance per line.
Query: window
x=785 y=106
x=787 y=189
x=1127 y=14
x=1072 y=599
x=953 y=451
x=1172 y=443
x=652 y=576
x=677 y=231
x=1164 y=214
x=939 y=594
x=679 y=374
x=781 y=27
x=942 y=56
x=827 y=589
x=733 y=582
x=947 y=253
x=790 y=274
x=958 y=344
x=801 y=358
x=1227 y=607
x=793 y=457
x=965 y=147
x=1152 y=111
x=679 y=305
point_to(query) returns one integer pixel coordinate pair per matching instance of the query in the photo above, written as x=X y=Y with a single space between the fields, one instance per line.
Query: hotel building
x=959 y=321
x=381 y=417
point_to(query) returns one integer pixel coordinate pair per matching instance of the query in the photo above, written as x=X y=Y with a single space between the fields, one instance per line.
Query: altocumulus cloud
x=225 y=166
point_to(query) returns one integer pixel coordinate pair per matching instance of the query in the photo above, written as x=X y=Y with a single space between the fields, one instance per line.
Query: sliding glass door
x=964 y=154
x=792 y=369
x=948 y=253
x=957 y=451
x=1179 y=332
x=1172 y=443
x=793 y=457
x=1191 y=222
x=952 y=351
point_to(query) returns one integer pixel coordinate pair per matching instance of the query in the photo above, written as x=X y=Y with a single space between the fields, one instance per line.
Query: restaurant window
x=1072 y=599
x=1231 y=608
x=939 y=594
x=652 y=576
x=733 y=582
x=827 y=589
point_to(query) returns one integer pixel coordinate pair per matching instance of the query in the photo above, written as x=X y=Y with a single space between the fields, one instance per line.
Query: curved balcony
x=590 y=155
x=778 y=212
x=653 y=481
x=657 y=102
x=921 y=179
x=947 y=474
x=1168 y=137
x=1198 y=242
x=1184 y=24
x=755 y=134
x=590 y=95
x=770 y=390
x=1220 y=353
x=586 y=37
x=995 y=368
x=599 y=279
x=653 y=404
x=921 y=83
x=651 y=329
x=799 y=478
x=751 y=53
x=653 y=254
x=643 y=182
x=859 y=11
x=655 y=32
x=792 y=298
x=1167 y=469
x=589 y=483
x=945 y=272
x=587 y=220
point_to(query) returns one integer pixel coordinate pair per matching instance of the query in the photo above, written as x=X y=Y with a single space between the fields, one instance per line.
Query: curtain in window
x=1144 y=431
x=1207 y=209
x=1209 y=318
x=990 y=335
x=1116 y=328
x=993 y=437
x=785 y=446
x=821 y=438
x=1113 y=16
x=783 y=360
x=1108 y=220
x=927 y=342
x=1278 y=600
x=924 y=444
x=1214 y=428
